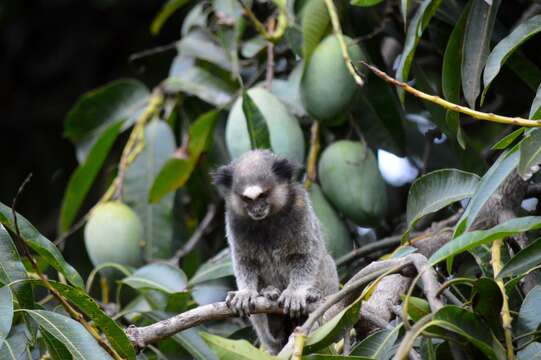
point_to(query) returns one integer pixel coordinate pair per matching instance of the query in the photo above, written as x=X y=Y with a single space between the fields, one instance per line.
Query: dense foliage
x=454 y=122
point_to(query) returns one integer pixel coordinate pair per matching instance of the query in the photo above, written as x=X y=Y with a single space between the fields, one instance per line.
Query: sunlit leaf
x=535 y=110
x=523 y=261
x=470 y=240
x=477 y=37
x=530 y=154
x=6 y=309
x=158 y=276
x=72 y=334
x=508 y=140
x=15 y=347
x=529 y=317
x=41 y=245
x=216 y=267
x=365 y=3
x=530 y=352
x=227 y=349
x=83 y=177
x=506 y=47
x=378 y=345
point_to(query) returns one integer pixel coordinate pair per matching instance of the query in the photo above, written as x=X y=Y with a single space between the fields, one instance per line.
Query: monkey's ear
x=285 y=169
x=222 y=177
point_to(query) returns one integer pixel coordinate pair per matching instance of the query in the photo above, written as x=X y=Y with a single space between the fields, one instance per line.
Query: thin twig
x=311 y=162
x=74 y=314
x=270 y=58
x=152 y=51
x=196 y=236
x=343 y=46
x=452 y=106
x=369 y=248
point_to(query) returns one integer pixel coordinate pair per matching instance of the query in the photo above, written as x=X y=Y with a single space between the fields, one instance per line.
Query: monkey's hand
x=271 y=293
x=294 y=301
x=241 y=301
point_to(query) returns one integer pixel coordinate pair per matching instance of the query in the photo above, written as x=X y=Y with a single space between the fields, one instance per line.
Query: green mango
x=285 y=133
x=350 y=178
x=327 y=87
x=114 y=233
x=335 y=231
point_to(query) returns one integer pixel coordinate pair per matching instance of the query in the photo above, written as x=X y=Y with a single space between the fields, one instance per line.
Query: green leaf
x=529 y=317
x=83 y=177
x=234 y=349
x=215 y=268
x=168 y=9
x=535 y=110
x=493 y=178
x=41 y=245
x=508 y=140
x=56 y=349
x=378 y=345
x=486 y=301
x=416 y=27
x=438 y=189
x=405 y=6
x=470 y=326
x=470 y=240
x=530 y=352
x=450 y=75
x=530 y=153
x=12 y=269
x=6 y=309
x=199 y=82
x=365 y=3
x=506 y=47
x=140 y=175
x=477 y=37
x=158 y=276
x=417 y=307
x=176 y=171
x=200 y=45
x=15 y=347
x=526 y=259
x=69 y=332
x=256 y=124
x=189 y=339
x=315 y=24
x=96 y=110
x=333 y=357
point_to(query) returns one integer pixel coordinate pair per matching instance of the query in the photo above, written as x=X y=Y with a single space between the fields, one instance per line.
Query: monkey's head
x=257 y=184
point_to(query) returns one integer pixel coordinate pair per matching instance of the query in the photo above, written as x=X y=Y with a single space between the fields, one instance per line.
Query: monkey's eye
x=264 y=194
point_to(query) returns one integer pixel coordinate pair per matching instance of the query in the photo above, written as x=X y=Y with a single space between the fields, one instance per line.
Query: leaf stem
x=505 y=314
x=333 y=14
x=311 y=163
x=452 y=106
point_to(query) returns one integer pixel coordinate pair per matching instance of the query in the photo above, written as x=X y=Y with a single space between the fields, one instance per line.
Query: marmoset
x=276 y=243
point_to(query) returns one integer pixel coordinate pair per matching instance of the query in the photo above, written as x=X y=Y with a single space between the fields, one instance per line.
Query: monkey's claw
x=271 y=293
x=241 y=301
x=294 y=302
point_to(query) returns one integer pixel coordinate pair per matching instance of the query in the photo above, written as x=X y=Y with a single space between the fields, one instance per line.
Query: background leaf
x=530 y=153
x=168 y=9
x=158 y=276
x=140 y=175
x=256 y=124
x=523 y=261
x=535 y=110
x=477 y=37
x=234 y=349
x=6 y=309
x=315 y=24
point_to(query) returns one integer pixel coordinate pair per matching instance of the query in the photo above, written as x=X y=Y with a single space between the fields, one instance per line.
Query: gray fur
x=282 y=255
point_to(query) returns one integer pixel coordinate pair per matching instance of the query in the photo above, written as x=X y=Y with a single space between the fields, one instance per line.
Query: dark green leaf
x=529 y=317
x=215 y=268
x=487 y=300
x=315 y=23
x=56 y=349
x=256 y=124
x=83 y=177
x=6 y=311
x=530 y=154
x=535 y=110
x=234 y=349
x=97 y=109
x=467 y=324
x=526 y=259
x=71 y=334
x=438 y=189
x=470 y=240
x=158 y=276
x=165 y=13
x=416 y=27
x=365 y=3
x=46 y=249
x=199 y=82
x=140 y=175
x=508 y=140
x=450 y=75
x=506 y=47
x=176 y=172
x=417 y=307
x=12 y=269
x=493 y=178
x=477 y=37
x=377 y=345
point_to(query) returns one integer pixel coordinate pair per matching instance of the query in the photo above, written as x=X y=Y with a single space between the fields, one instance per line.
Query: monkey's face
x=255 y=202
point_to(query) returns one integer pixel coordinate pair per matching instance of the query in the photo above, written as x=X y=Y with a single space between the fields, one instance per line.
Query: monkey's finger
x=246 y=306
x=302 y=306
x=252 y=302
x=287 y=304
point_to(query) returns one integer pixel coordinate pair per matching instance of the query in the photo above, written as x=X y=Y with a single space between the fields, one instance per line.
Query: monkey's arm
x=246 y=275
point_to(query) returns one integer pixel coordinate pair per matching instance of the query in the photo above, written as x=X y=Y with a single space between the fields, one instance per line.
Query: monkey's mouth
x=260 y=214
